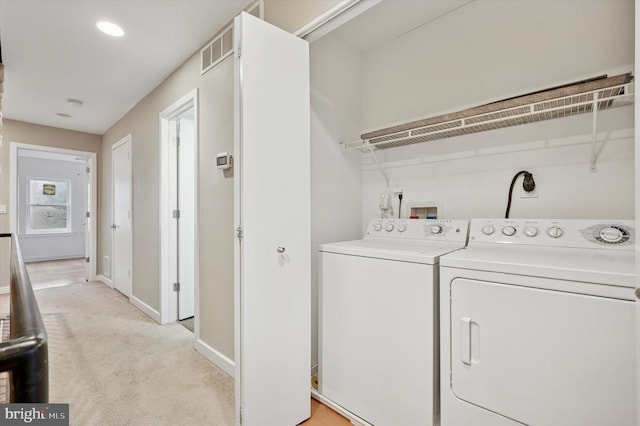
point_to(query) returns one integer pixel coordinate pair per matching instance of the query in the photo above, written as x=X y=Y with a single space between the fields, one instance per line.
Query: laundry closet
x=403 y=61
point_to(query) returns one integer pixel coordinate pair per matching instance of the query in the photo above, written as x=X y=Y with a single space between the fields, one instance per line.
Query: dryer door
x=543 y=357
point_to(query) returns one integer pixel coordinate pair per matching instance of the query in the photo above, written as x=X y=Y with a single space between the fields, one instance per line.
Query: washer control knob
x=530 y=231
x=389 y=227
x=377 y=227
x=436 y=229
x=402 y=228
x=611 y=234
x=509 y=231
x=488 y=229
x=555 y=231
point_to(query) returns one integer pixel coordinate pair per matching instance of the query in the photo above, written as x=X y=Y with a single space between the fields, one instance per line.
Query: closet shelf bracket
x=379 y=164
x=364 y=146
x=594 y=134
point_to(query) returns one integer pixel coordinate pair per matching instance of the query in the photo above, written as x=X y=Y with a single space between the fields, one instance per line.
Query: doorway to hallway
x=178 y=211
x=53 y=203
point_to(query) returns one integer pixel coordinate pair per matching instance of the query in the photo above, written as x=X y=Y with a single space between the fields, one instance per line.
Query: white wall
x=487 y=51
x=37 y=247
x=469 y=176
x=336 y=180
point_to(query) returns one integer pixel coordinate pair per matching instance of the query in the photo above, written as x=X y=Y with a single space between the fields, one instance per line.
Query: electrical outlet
x=398 y=190
x=531 y=194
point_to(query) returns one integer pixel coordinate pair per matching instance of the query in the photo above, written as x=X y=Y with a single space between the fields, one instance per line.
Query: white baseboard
x=57 y=257
x=103 y=279
x=146 y=309
x=216 y=358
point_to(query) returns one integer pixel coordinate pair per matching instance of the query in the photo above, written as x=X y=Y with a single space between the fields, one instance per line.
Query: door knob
x=281 y=250
x=638 y=293
x=113 y=226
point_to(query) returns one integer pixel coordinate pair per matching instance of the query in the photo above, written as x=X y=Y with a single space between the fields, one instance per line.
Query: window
x=49 y=206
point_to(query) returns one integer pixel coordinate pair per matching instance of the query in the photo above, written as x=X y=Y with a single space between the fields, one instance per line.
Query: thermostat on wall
x=223 y=160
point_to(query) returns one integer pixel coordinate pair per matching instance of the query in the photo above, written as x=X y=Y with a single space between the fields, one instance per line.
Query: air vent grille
x=214 y=52
x=222 y=44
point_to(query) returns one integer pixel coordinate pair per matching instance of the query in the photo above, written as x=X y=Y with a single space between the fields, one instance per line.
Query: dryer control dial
x=530 y=231
x=402 y=228
x=436 y=229
x=377 y=227
x=488 y=229
x=389 y=227
x=509 y=231
x=555 y=231
x=613 y=235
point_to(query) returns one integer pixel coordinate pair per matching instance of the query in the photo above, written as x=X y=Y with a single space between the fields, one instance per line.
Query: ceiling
x=52 y=52
x=390 y=20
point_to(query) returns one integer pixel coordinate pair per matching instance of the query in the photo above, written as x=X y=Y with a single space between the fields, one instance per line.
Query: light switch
x=3 y=209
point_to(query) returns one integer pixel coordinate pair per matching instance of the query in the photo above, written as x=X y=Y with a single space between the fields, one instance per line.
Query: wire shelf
x=580 y=101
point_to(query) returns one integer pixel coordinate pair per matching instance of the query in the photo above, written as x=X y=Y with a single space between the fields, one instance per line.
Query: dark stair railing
x=25 y=355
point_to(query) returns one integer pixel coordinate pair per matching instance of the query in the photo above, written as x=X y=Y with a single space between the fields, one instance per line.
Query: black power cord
x=399 y=204
x=528 y=184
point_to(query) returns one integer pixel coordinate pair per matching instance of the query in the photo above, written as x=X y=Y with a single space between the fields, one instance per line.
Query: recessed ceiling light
x=110 y=28
x=62 y=114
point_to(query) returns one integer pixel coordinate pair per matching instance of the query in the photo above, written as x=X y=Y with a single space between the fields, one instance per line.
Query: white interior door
x=637 y=212
x=272 y=212
x=186 y=223
x=121 y=227
x=88 y=219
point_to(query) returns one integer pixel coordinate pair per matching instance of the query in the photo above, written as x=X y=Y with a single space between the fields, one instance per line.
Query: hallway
x=56 y=273
x=115 y=366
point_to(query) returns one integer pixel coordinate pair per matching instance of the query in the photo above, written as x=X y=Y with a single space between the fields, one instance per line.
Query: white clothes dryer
x=537 y=324
x=378 y=320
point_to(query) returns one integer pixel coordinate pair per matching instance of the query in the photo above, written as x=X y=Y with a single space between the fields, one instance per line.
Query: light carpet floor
x=55 y=273
x=115 y=366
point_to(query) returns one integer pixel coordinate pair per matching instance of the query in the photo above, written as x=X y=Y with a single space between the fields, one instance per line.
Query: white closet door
x=272 y=196
x=122 y=231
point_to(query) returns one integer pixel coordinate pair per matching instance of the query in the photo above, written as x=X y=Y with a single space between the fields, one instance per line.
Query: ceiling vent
x=222 y=44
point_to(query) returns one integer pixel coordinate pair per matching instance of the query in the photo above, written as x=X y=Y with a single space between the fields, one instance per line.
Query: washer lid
x=402 y=250
x=584 y=265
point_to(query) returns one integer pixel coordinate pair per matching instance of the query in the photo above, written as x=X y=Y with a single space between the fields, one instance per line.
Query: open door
x=272 y=221
x=637 y=212
x=88 y=221
x=186 y=245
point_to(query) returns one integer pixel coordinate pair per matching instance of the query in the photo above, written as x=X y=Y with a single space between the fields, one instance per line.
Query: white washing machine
x=378 y=320
x=537 y=324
